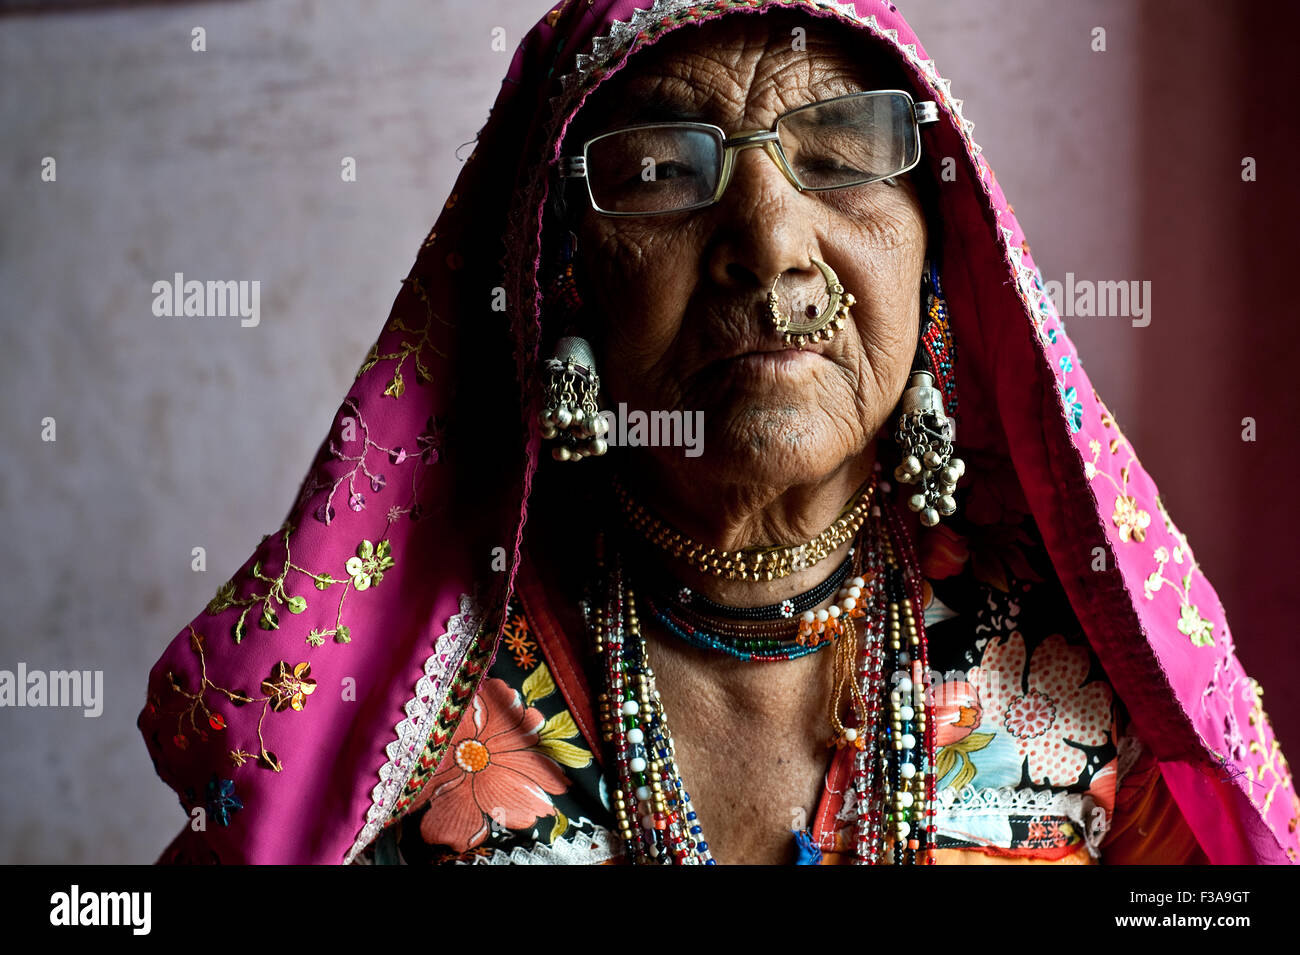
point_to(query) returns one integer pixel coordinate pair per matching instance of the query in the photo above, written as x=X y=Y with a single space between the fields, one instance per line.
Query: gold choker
x=757 y=563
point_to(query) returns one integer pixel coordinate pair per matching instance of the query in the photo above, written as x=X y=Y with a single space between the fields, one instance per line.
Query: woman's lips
x=788 y=359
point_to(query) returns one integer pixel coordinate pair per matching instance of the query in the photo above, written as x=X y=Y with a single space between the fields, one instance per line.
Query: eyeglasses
x=657 y=168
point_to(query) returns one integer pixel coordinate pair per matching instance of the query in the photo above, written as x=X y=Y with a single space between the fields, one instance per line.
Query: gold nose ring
x=818 y=324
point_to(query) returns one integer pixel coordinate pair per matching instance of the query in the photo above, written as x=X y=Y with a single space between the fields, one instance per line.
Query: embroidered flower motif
x=1050 y=714
x=516 y=639
x=1045 y=834
x=1067 y=364
x=495 y=773
x=370 y=563
x=1131 y=520
x=289 y=688
x=222 y=800
x=1152 y=584
x=1073 y=407
x=1089 y=470
x=1195 y=626
x=430 y=442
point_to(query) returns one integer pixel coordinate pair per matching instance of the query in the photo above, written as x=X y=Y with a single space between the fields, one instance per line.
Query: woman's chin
x=770 y=447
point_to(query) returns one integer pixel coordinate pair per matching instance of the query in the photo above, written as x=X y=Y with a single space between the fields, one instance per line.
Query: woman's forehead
x=712 y=71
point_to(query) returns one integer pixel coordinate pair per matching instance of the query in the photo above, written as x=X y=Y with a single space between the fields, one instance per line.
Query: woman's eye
x=828 y=165
x=672 y=170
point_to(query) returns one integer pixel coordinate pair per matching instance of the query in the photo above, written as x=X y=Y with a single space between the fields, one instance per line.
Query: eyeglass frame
x=575 y=166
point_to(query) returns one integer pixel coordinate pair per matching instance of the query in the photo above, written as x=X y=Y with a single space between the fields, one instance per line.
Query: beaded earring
x=571 y=415
x=925 y=432
x=562 y=298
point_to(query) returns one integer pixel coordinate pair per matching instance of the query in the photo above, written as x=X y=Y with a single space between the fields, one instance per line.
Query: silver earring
x=925 y=436
x=571 y=416
x=925 y=433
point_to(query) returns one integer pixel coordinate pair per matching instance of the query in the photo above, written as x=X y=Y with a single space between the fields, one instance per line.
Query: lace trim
x=412 y=732
x=1079 y=808
x=585 y=848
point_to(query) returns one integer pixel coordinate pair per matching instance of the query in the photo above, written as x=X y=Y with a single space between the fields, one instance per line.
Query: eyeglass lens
x=828 y=145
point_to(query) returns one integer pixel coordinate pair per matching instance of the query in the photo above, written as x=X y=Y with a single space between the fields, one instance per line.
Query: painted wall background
x=1122 y=165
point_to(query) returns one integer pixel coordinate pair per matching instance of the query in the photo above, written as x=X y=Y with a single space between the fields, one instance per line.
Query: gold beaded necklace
x=757 y=563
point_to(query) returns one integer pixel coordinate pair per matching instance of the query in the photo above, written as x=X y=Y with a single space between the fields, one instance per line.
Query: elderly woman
x=703 y=503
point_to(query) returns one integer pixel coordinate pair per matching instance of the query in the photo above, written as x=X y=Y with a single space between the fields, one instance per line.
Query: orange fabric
x=1149 y=829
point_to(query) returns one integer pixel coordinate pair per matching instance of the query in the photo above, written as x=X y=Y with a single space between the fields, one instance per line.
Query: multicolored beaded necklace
x=780 y=631
x=893 y=784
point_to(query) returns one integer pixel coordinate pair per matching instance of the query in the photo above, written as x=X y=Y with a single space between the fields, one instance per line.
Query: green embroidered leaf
x=343 y=634
x=384 y=549
x=365 y=550
x=297 y=604
x=322 y=583
x=225 y=598
x=371 y=358
x=561 y=825
x=270 y=620
x=396 y=386
x=559 y=726
x=240 y=629
x=538 y=686
x=1200 y=630
x=566 y=754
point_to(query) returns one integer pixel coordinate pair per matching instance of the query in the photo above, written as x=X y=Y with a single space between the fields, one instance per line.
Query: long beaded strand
x=656 y=819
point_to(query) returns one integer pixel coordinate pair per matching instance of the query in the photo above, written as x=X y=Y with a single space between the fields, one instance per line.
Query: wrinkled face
x=675 y=304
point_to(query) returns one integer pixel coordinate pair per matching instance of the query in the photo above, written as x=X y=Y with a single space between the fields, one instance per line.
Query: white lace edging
x=1081 y=809
x=583 y=849
x=413 y=731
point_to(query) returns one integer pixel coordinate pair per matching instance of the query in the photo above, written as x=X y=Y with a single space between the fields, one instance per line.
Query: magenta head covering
x=303 y=708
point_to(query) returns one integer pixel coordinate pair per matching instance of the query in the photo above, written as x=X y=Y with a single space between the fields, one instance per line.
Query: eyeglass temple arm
x=926 y=111
x=575 y=167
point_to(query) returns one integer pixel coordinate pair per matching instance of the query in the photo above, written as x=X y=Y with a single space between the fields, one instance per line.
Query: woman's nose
x=763 y=227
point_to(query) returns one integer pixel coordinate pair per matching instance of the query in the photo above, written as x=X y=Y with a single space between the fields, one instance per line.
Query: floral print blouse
x=1034 y=762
